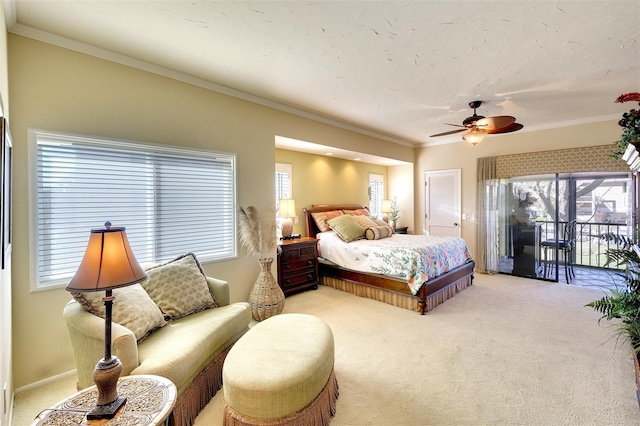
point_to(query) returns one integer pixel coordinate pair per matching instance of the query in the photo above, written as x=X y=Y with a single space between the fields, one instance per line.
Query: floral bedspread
x=416 y=258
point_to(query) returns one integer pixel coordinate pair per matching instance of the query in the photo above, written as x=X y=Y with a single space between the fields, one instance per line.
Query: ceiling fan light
x=475 y=136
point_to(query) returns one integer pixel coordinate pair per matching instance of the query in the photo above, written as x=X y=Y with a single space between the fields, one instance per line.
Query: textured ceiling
x=398 y=69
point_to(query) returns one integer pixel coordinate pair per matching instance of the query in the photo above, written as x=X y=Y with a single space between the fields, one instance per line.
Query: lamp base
x=287 y=228
x=105 y=376
x=107 y=411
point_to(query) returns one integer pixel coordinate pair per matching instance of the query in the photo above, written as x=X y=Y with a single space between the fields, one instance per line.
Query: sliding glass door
x=538 y=211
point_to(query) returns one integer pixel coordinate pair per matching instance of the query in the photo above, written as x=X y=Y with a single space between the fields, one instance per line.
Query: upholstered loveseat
x=178 y=324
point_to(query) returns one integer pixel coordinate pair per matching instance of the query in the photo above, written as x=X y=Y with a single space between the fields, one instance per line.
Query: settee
x=178 y=324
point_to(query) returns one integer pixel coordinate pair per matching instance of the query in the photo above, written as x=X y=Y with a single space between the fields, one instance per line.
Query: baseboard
x=45 y=381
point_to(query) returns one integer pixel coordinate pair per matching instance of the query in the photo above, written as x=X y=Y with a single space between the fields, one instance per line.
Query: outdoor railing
x=590 y=248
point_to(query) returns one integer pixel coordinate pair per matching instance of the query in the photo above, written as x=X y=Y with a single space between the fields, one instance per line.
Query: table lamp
x=386 y=209
x=108 y=263
x=287 y=211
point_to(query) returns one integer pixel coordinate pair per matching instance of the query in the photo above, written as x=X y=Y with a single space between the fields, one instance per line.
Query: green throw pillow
x=346 y=227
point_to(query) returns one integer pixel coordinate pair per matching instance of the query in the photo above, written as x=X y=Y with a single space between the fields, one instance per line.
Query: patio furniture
x=564 y=245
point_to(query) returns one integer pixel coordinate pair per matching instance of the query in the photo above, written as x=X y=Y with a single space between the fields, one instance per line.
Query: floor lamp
x=108 y=263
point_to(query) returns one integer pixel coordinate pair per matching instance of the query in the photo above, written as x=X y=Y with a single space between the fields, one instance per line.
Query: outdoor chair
x=565 y=246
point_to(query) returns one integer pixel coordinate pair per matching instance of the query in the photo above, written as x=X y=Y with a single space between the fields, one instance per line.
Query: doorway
x=537 y=211
x=442 y=203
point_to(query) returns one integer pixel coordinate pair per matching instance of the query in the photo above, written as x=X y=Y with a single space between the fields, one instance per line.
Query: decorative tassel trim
x=400 y=300
x=199 y=393
x=318 y=412
x=405 y=301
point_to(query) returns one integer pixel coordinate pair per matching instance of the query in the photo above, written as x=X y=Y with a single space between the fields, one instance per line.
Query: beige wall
x=401 y=188
x=318 y=179
x=5 y=275
x=58 y=89
x=464 y=156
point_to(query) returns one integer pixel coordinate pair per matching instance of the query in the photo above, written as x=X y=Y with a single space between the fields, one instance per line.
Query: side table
x=150 y=400
x=401 y=230
x=298 y=265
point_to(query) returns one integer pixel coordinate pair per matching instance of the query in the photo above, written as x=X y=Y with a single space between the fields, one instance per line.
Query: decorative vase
x=266 y=298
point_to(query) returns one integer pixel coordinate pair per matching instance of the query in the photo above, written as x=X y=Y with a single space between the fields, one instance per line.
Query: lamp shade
x=475 y=136
x=108 y=262
x=386 y=206
x=287 y=208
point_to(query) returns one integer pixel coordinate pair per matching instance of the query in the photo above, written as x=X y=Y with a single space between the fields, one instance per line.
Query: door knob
x=455 y=223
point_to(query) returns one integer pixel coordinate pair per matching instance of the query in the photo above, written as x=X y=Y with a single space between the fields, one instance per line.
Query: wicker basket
x=266 y=297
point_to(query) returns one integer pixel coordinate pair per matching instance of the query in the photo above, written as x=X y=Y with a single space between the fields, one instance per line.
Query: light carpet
x=505 y=351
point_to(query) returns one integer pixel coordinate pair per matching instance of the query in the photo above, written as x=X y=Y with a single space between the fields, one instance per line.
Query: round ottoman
x=281 y=372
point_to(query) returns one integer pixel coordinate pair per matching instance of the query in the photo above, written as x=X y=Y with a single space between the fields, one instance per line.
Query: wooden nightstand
x=401 y=230
x=298 y=265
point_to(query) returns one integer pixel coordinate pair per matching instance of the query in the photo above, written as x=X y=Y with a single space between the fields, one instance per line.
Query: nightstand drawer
x=301 y=277
x=288 y=266
x=300 y=252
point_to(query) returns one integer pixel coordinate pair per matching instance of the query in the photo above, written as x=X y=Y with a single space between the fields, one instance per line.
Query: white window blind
x=170 y=200
x=283 y=183
x=376 y=194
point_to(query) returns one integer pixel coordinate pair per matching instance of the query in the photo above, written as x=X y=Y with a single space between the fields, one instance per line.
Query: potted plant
x=394 y=215
x=258 y=236
x=630 y=123
x=623 y=304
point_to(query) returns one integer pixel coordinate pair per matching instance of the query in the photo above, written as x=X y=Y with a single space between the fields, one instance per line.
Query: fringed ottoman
x=281 y=373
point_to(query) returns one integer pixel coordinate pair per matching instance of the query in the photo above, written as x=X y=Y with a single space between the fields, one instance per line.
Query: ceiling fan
x=477 y=126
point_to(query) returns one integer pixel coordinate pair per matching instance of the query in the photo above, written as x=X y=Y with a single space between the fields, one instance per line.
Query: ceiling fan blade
x=513 y=127
x=493 y=123
x=450 y=132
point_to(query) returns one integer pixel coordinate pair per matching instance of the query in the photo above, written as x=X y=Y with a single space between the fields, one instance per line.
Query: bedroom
x=57 y=88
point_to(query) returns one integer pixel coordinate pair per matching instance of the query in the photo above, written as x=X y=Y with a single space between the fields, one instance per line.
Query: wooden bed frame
x=394 y=291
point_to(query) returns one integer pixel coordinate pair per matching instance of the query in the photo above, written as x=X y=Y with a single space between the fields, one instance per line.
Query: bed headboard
x=312 y=228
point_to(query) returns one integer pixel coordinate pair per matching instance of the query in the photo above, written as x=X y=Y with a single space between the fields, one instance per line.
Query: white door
x=442 y=203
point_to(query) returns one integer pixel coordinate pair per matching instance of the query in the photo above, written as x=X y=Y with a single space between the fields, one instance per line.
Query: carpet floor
x=505 y=351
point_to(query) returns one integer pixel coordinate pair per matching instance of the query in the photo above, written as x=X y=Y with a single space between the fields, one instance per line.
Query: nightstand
x=298 y=265
x=401 y=230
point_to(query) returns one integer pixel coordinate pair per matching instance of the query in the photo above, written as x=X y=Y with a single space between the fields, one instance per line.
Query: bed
x=417 y=291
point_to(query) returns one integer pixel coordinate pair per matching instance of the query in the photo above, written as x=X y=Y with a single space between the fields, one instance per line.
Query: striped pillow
x=378 y=232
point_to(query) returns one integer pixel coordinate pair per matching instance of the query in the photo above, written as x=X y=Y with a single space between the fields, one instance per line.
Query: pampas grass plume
x=257 y=234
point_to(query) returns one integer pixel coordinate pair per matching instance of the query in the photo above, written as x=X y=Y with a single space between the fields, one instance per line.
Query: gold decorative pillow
x=380 y=222
x=364 y=221
x=346 y=227
x=132 y=308
x=179 y=287
x=322 y=217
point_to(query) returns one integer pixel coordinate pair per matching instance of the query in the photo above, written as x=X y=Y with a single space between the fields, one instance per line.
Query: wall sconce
x=287 y=211
x=108 y=263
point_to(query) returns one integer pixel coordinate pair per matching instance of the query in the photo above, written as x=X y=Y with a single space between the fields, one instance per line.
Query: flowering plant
x=630 y=123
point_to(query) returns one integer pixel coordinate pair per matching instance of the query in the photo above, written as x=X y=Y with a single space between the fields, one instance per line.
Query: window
x=171 y=201
x=283 y=183
x=376 y=194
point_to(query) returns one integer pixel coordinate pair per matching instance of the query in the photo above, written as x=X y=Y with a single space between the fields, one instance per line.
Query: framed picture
x=6 y=183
